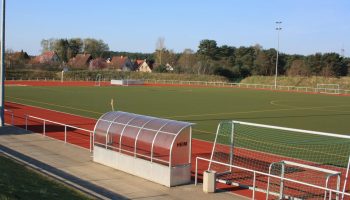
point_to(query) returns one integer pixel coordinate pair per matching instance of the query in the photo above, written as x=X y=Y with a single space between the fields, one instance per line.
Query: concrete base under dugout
x=162 y=174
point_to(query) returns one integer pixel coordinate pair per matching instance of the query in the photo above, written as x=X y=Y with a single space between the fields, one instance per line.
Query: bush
x=30 y=74
x=107 y=75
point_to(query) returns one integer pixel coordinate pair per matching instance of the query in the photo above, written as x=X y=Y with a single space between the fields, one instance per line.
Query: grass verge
x=18 y=181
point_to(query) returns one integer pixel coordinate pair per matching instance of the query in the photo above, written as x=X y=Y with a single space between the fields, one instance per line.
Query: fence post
x=196 y=171
x=44 y=127
x=90 y=142
x=26 y=121
x=65 y=133
x=12 y=119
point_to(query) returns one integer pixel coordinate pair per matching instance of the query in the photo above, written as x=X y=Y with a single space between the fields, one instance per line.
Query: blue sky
x=309 y=26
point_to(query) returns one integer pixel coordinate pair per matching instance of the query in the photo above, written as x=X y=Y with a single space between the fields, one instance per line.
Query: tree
x=333 y=65
x=208 y=49
x=61 y=47
x=75 y=46
x=187 y=60
x=298 y=68
x=47 y=44
x=262 y=63
x=95 y=47
x=227 y=55
x=226 y=51
x=160 y=48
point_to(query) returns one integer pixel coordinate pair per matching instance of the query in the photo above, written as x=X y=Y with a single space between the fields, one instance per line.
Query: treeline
x=241 y=62
x=88 y=75
x=69 y=48
x=210 y=59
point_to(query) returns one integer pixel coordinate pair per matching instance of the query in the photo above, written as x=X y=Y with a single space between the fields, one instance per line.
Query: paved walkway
x=74 y=166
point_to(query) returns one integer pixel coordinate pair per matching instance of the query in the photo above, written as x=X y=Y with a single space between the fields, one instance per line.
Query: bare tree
x=160 y=47
x=47 y=44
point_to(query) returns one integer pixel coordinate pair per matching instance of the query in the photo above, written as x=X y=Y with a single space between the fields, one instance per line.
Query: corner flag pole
x=2 y=67
x=112 y=104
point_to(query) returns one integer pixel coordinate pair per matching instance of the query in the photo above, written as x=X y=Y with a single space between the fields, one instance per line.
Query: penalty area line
x=256 y=111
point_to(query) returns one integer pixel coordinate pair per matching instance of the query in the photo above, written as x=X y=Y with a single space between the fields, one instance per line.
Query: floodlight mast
x=2 y=67
x=278 y=28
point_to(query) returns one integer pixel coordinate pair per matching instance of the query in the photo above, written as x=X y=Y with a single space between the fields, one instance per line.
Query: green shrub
x=106 y=75
x=301 y=81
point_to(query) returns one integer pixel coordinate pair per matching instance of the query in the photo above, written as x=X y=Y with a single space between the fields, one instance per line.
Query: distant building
x=47 y=57
x=97 y=63
x=122 y=63
x=16 y=58
x=80 y=61
x=144 y=66
x=169 y=68
x=138 y=62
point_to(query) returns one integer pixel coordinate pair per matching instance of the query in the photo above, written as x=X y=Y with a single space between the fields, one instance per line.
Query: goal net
x=98 y=80
x=314 y=158
x=328 y=88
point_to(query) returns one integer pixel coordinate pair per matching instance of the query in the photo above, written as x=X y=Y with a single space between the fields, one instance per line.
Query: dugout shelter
x=152 y=148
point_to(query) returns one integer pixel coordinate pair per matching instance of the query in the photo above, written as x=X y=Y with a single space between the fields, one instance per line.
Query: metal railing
x=248 y=85
x=255 y=173
x=218 y=84
x=136 y=155
x=45 y=121
x=12 y=115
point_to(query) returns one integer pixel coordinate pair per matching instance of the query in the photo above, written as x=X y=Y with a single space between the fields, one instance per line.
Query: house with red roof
x=80 y=61
x=97 y=63
x=122 y=63
x=47 y=57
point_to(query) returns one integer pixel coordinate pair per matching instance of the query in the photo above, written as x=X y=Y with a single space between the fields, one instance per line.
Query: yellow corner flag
x=112 y=104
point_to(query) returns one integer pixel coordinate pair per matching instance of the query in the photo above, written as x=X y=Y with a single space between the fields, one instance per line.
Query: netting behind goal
x=328 y=88
x=98 y=80
x=307 y=156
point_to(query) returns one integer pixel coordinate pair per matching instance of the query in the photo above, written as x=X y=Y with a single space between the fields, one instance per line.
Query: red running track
x=54 y=83
x=106 y=83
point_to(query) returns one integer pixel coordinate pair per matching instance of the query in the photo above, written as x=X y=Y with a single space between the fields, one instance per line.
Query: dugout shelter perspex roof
x=157 y=140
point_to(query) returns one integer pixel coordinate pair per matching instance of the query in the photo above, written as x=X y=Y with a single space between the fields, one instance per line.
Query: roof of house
x=119 y=60
x=139 y=62
x=18 y=55
x=49 y=55
x=98 y=63
x=46 y=56
x=80 y=60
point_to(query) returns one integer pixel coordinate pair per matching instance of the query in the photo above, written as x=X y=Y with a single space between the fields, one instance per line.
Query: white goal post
x=312 y=157
x=328 y=88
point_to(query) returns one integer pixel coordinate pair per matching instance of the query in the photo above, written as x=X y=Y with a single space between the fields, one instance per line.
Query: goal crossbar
x=293 y=129
x=332 y=172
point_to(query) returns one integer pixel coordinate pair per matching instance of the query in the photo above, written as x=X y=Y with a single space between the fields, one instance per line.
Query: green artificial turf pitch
x=203 y=106
x=206 y=107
